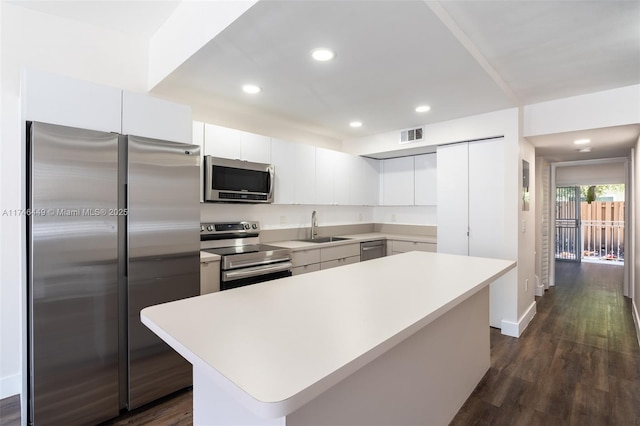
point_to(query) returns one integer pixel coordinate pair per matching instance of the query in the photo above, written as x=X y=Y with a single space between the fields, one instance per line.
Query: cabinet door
x=372 y=177
x=197 y=133
x=283 y=157
x=397 y=181
x=150 y=117
x=256 y=148
x=453 y=199
x=305 y=174
x=426 y=180
x=343 y=177
x=325 y=170
x=486 y=199
x=222 y=142
x=55 y=99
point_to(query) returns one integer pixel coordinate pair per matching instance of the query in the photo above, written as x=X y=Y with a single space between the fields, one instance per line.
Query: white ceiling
x=460 y=57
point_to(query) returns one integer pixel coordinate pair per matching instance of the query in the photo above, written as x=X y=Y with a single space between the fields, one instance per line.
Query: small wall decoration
x=525 y=185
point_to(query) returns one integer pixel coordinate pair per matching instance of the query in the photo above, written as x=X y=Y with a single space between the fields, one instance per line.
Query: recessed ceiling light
x=355 y=124
x=423 y=108
x=323 y=54
x=587 y=149
x=251 y=88
x=581 y=141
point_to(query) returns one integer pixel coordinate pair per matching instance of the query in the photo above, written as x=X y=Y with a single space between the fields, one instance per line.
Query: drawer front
x=305 y=257
x=338 y=252
x=405 y=246
x=305 y=268
x=339 y=262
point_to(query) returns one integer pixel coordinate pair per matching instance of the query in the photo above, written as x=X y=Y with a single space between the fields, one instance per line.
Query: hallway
x=578 y=362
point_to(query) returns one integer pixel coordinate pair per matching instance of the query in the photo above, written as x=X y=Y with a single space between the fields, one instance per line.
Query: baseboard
x=636 y=320
x=516 y=329
x=10 y=385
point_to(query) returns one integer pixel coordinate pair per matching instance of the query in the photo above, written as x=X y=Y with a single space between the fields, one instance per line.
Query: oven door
x=253 y=275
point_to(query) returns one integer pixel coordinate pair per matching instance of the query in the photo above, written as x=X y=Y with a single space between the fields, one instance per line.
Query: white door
x=486 y=199
x=453 y=198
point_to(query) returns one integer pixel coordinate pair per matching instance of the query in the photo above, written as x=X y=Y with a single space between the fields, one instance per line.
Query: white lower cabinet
x=305 y=269
x=209 y=276
x=339 y=262
x=400 y=246
x=311 y=260
x=331 y=257
x=304 y=261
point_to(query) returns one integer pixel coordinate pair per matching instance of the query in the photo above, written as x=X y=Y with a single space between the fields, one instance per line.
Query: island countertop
x=275 y=346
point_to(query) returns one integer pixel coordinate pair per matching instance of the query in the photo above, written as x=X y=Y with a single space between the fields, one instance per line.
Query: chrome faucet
x=314 y=225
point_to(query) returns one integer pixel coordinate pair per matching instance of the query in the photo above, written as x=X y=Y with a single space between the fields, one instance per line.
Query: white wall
x=635 y=275
x=609 y=172
x=37 y=40
x=527 y=241
x=608 y=108
x=274 y=216
x=459 y=130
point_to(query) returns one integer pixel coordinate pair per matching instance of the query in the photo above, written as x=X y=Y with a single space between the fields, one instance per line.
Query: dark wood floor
x=578 y=363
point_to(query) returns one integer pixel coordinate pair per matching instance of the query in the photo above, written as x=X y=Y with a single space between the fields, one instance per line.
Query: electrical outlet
x=283 y=220
x=360 y=217
x=526 y=284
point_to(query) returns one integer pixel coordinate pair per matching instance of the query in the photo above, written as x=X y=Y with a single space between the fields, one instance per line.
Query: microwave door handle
x=271 y=182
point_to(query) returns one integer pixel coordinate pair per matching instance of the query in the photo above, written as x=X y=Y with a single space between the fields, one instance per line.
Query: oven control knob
x=201 y=228
x=254 y=226
x=247 y=226
x=210 y=228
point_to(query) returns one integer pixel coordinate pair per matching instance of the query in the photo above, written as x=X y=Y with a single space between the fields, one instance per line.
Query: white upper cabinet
x=150 y=117
x=55 y=99
x=222 y=142
x=236 y=144
x=65 y=101
x=398 y=181
x=334 y=177
x=305 y=174
x=343 y=173
x=364 y=178
x=426 y=180
x=325 y=167
x=256 y=148
x=283 y=158
x=295 y=172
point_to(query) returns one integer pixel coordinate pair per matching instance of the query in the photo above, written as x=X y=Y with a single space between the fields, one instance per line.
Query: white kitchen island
x=400 y=340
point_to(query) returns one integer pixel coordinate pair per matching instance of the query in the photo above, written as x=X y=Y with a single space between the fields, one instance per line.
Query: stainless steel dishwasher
x=372 y=250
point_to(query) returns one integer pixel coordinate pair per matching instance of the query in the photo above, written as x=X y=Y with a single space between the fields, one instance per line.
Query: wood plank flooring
x=578 y=363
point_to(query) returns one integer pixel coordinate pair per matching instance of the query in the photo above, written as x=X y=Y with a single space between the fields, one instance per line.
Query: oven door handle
x=270 y=261
x=255 y=271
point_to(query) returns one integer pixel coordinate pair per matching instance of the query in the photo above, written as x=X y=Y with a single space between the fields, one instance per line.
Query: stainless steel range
x=244 y=260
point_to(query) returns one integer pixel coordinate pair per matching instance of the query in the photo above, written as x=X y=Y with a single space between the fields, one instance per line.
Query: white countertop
x=209 y=257
x=275 y=346
x=355 y=238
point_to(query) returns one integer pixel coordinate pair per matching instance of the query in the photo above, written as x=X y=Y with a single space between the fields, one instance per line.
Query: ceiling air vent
x=411 y=135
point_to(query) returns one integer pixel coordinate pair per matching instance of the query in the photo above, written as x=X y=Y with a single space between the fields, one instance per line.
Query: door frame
x=629 y=254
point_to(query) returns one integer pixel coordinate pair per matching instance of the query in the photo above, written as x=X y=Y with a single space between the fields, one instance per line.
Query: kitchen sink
x=324 y=239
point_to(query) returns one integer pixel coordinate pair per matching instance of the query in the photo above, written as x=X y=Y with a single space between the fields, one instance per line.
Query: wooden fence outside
x=603 y=229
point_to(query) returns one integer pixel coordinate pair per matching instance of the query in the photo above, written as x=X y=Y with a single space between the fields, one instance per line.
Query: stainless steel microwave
x=237 y=181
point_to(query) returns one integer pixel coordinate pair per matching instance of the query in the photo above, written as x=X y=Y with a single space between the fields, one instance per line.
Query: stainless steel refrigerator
x=113 y=227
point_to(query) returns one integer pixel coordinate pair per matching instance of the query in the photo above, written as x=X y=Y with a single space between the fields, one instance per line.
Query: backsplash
x=278 y=216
